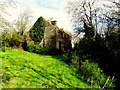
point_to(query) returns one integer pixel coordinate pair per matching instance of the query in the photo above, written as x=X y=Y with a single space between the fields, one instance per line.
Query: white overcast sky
x=47 y=9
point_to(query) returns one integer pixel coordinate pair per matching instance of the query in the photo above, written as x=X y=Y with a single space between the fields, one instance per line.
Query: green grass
x=29 y=70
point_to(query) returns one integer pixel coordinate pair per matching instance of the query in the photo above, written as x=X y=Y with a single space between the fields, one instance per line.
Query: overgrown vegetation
x=101 y=44
x=37 y=31
x=11 y=39
x=44 y=51
x=95 y=58
x=88 y=70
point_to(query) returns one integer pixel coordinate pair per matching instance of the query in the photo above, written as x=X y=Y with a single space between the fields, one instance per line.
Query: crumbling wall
x=63 y=41
x=56 y=38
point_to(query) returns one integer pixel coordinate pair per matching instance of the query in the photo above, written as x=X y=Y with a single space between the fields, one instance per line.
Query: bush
x=67 y=58
x=44 y=51
x=11 y=39
x=2 y=49
x=94 y=75
x=87 y=70
x=74 y=58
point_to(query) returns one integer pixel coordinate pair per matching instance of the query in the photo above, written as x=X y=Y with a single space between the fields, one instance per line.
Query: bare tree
x=5 y=4
x=23 y=23
x=112 y=14
x=4 y=8
x=84 y=16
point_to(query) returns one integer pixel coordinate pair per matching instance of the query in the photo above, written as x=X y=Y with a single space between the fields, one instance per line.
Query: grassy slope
x=28 y=70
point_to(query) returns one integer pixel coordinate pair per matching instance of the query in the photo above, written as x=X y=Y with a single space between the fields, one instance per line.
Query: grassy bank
x=29 y=70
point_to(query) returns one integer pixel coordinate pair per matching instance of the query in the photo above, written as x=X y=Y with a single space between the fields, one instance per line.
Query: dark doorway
x=60 y=45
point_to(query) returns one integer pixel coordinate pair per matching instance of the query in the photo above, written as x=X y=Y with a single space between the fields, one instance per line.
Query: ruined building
x=56 y=38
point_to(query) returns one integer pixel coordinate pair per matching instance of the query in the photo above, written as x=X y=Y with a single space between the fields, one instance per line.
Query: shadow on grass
x=42 y=73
